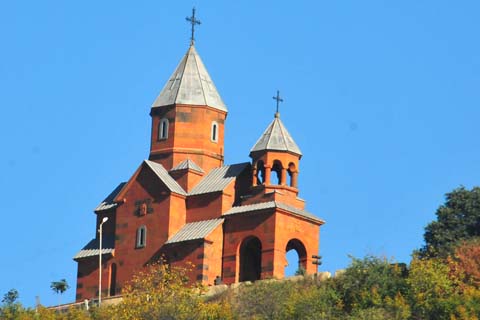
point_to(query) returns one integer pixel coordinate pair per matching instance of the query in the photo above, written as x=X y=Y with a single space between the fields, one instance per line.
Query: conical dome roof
x=276 y=138
x=190 y=84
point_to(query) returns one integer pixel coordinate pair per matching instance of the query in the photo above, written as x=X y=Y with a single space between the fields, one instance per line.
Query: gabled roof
x=108 y=202
x=271 y=205
x=187 y=164
x=190 y=84
x=195 y=231
x=218 y=179
x=276 y=138
x=162 y=173
x=92 y=248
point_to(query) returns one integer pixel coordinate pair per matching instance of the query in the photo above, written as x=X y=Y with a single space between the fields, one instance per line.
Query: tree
x=10 y=297
x=467 y=257
x=372 y=282
x=457 y=220
x=160 y=291
x=59 y=287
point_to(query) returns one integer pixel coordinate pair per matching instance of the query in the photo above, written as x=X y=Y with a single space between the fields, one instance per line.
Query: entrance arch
x=296 y=263
x=250 y=259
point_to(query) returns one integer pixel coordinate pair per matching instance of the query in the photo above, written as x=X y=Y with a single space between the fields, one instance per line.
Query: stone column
x=294 y=181
x=254 y=178
x=283 y=177
x=268 y=171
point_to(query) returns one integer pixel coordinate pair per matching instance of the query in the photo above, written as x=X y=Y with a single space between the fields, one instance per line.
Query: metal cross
x=193 y=22
x=278 y=100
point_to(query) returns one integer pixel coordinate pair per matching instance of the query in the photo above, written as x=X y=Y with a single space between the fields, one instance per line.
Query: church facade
x=184 y=205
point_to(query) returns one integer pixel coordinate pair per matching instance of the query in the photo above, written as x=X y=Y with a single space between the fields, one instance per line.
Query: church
x=184 y=205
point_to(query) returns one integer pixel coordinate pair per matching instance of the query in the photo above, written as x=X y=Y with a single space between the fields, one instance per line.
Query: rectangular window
x=141 y=236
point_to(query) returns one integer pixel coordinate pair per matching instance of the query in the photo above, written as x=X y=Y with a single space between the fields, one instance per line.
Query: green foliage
x=457 y=220
x=313 y=300
x=160 y=292
x=371 y=282
x=59 y=286
x=10 y=297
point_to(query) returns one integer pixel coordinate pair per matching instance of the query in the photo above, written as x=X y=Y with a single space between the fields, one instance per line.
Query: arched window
x=141 y=237
x=277 y=169
x=214 y=132
x=163 y=129
x=291 y=176
x=260 y=172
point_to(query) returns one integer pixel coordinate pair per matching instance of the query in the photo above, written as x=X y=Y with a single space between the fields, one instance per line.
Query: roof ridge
x=171 y=184
x=181 y=74
x=200 y=77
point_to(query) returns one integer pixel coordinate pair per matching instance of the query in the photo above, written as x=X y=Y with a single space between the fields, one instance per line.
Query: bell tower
x=275 y=159
x=188 y=116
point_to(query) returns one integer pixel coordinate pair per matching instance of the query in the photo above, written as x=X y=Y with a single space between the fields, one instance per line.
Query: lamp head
x=104 y=219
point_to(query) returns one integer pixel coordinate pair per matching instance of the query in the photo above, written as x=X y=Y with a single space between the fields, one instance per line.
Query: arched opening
x=250 y=259
x=292 y=170
x=295 y=257
x=113 y=279
x=260 y=172
x=277 y=169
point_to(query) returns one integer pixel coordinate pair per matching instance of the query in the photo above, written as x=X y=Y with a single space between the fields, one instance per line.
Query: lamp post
x=100 y=261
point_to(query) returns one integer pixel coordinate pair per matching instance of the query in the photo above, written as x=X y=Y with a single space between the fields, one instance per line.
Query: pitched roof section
x=195 y=230
x=187 y=164
x=271 y=205
x=276 y=138
x=190 y=84
x=218 y=179
x=108 y=203
x=162 y=173
x=92 y=248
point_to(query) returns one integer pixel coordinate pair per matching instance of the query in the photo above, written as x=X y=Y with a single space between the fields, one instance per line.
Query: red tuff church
x=232 y=222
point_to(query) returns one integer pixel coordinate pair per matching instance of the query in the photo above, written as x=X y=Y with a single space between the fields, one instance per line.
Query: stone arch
x=277 y=168
x=299 y=248
x=259 y=172
x=250 y=259
x=292 y=175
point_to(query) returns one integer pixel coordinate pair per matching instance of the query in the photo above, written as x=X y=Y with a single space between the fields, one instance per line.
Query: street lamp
x=100 y=262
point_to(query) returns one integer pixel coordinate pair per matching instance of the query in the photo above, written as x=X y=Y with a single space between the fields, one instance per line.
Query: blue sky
x=381 y=96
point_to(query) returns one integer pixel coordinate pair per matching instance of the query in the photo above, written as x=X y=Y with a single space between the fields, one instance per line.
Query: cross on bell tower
x=193 y=21
x=279 y=99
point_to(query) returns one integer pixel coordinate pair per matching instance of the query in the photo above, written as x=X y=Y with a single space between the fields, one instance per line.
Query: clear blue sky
x=381 y=96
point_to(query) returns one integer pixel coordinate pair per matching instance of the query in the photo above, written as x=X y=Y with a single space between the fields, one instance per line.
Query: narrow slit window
x=141 y=237
x=214 y=131
x=163 y=129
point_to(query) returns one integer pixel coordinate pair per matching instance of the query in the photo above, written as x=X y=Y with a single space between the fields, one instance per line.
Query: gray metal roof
x=276 y=138
x=91 y=249
x=271 y=205
x=162 y=173
x=190 y=84
x=195 y=230
x=218 y=179
x=187 y=164
x=108 y=203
